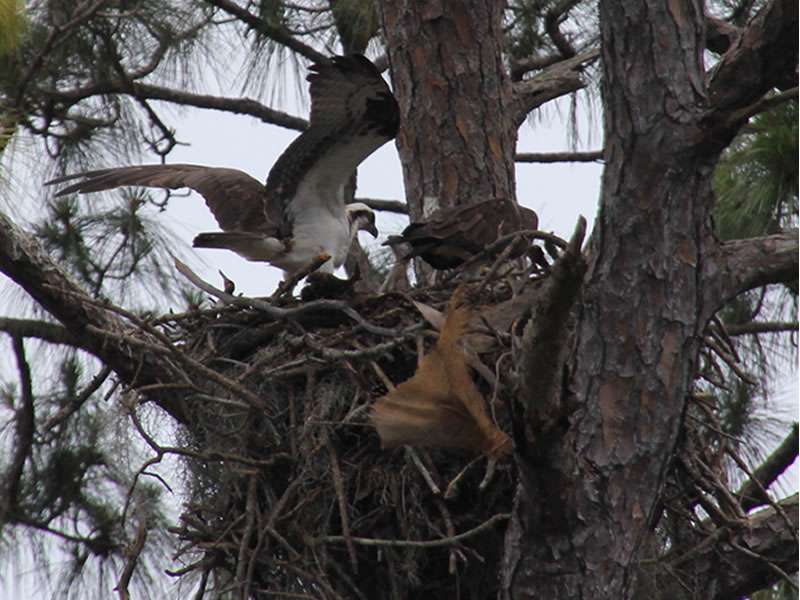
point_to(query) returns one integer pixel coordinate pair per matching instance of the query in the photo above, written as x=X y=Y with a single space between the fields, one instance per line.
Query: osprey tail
x=252 y=246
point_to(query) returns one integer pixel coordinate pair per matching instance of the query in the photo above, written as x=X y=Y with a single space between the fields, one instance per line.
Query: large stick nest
x=302 y=478
x=291 y=492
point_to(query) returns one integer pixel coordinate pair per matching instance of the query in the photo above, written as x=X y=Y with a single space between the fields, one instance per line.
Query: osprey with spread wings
x=300 y=215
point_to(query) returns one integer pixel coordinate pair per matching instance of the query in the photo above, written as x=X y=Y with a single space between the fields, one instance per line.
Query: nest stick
x=447 y=541
x=338 y=485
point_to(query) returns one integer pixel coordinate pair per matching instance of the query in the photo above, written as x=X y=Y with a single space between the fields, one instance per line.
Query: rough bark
x=588 y=500
x=456 y=139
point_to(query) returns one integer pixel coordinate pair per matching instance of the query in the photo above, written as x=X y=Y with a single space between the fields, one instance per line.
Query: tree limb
x=24 y=260
x=24 y=430
x=769 y=543
x=395 y=206
x=720 y=35
x=553 y=157
x=750 y=493
x=553 y=82
x=756 y=327
x=763 y=57
x=275 y=33
x=41 y=330
x=147 y=91
x=751 y=263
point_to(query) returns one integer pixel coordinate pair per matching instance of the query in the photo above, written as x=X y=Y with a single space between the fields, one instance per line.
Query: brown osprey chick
x=451 y=236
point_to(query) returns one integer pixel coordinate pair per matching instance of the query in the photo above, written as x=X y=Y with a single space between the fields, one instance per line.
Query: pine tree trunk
x=457 y=137
x=589 y=491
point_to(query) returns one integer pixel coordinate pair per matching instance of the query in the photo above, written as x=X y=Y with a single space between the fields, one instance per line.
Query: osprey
x=300 y=214
x=451 y=236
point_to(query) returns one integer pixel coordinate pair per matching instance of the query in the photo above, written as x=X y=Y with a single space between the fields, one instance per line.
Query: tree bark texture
x=457 y=137
x=588 y=500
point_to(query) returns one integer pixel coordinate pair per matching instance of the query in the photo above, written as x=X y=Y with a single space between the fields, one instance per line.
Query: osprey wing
x=353 y=113
x=235 y=198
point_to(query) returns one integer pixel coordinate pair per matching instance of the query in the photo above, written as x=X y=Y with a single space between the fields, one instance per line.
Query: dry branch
x=553 y=82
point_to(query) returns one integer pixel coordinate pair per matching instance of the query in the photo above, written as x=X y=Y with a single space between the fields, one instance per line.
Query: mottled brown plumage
x=451 y=236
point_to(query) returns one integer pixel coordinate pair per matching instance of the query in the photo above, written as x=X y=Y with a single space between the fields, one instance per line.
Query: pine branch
x=750 y=493
x=146 y=91
x=24 y=260
x=275 y=33
x=553 y=157
x=562 y=78
x=756 y=327
x=24 y=430
x=751 y=263
x=41 y=330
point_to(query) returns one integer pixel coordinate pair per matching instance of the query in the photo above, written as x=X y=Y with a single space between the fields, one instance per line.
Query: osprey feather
x=300 y=214
x=451 y=236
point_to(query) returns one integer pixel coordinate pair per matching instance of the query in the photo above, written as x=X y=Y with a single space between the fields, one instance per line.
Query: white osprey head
x=361 y=218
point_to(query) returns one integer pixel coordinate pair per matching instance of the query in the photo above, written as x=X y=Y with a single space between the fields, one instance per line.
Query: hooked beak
x=371 y=229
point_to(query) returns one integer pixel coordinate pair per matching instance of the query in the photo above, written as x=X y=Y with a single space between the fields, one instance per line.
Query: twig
x=132 y=552
x=242 y=562
x=338 y=539
x=286 y=287
x=67 y=411
x=410 y=452
x=338 y=485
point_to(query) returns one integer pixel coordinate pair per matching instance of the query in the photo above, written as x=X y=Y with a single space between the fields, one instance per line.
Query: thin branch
x=756 y=327
x=241 y=106
x=553 y=157
x=338 y=485
x=764 y=534
x=24 y=430
x=338 y=539
x=276 y=33
x=521 y=66
x=395 y=206
x=75 y=404
x=132 y=552
x=41 y=330
x=279 y=313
